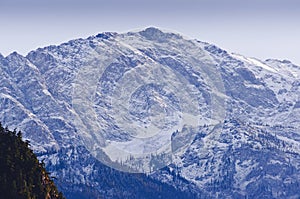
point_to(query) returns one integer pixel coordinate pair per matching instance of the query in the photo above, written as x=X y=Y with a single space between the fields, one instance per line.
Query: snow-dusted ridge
x=255 y=62
x=244 y=143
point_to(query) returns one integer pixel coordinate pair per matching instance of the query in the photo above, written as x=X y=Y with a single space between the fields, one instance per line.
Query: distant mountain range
x=200 y=121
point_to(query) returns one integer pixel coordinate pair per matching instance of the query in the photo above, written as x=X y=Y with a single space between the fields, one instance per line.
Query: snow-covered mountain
x=218 y=124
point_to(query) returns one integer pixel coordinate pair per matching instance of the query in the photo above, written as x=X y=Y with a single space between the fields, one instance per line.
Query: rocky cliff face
x=217 y=123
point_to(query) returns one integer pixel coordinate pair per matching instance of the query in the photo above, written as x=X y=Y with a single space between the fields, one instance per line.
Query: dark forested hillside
x=23 y=177
x=21 y=174
x=108 y=182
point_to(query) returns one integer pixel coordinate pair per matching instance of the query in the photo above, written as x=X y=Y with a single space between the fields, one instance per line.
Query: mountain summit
x=189 y=114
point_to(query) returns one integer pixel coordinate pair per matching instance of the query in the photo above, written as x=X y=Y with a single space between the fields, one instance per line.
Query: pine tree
x=21 y=174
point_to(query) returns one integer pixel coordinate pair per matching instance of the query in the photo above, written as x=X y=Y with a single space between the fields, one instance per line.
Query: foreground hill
x=21 y=174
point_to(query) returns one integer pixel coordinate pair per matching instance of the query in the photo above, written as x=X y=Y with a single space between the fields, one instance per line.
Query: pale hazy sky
x=257 y=28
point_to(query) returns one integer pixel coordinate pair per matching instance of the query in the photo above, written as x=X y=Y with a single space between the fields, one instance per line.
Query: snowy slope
x=227 y=125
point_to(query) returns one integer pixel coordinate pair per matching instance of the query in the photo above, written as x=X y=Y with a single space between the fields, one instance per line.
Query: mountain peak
x=155 y=34
x=153 y=30
x=131 y=95
x=106 y=35
x=15 y=56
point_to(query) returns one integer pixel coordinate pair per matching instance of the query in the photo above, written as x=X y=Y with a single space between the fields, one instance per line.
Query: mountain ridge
x=100 y=34
x=37 y=95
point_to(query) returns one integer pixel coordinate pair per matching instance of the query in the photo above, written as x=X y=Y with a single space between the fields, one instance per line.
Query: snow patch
x=254 y=61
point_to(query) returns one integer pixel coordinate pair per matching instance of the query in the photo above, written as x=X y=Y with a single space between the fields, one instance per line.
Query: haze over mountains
x=230 y=123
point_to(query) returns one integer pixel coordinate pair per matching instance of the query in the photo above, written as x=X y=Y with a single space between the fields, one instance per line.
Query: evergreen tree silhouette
x=22 y=176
